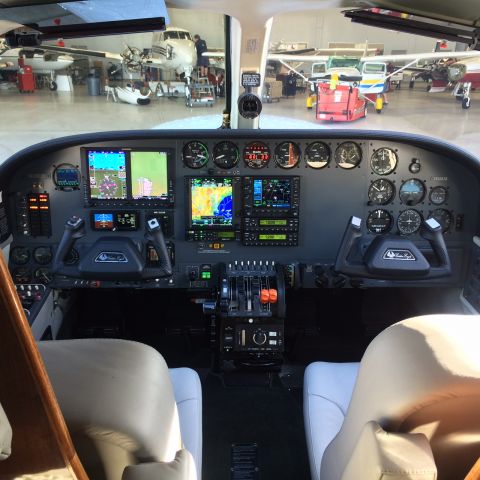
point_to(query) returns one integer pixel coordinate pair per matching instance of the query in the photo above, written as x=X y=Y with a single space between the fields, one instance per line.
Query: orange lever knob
x=273 y=295
x=264 y=296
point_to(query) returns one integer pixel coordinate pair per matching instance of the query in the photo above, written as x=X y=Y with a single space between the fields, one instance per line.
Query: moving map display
x=149 y=175
x=272 y=193
x=107 y=175
x=211 y=201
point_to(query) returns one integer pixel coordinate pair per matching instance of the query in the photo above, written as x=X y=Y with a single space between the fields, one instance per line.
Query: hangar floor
x=28 y=119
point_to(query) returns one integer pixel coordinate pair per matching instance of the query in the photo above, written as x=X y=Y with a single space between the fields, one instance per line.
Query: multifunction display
x=127 y=175
x=211 y=208
x=272 y=193
x=271 y=210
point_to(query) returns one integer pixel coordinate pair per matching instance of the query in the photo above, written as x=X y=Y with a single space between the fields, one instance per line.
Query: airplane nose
x=456 y=72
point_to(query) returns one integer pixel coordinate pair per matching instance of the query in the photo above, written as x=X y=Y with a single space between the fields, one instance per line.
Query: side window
x=375 y=68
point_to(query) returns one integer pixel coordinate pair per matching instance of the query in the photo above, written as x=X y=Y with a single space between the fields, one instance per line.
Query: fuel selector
x=259 y=338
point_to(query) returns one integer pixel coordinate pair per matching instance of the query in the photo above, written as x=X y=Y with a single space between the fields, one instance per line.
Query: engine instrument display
x=149 y=175
x=272 y=192
x=379 y=221
x=348 y=155
x=225 y=155
x=317 y=155
x=409 y=222
x=412 y=192
x=107 y=175
x=123 y=221
x=66 y=177
x=211 y=201
x=195 y=154
x=381 y=192
x=256 y=155
x=438 y=195
x=384 y=161
x=443 y=217
x=287 y=155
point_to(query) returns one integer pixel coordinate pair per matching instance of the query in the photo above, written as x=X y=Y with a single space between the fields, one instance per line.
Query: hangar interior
x=45 y=114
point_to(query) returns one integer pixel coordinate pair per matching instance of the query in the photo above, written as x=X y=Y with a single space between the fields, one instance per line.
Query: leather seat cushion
x=327 y=391
x=188 y=396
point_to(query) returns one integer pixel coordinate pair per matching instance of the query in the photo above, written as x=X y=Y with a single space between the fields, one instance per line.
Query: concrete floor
x=28 y=119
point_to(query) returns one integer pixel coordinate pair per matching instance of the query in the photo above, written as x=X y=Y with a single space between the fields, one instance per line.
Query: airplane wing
x=83 y=52
x=421 y=56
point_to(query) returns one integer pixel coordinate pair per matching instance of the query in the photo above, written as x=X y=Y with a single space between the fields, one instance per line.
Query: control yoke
x=394 y=258
x=113 y=258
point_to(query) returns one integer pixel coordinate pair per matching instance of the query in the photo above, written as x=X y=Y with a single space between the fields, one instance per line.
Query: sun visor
x=92 y=18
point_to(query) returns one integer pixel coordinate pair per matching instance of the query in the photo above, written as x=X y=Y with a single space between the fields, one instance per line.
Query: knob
x=259 y=338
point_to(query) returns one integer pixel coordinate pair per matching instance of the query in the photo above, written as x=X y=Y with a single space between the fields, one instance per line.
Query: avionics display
x=123 y=221
x=107 y=175
x=272 y=193
x=130 y=175
x=211 y=202
x=149 y=175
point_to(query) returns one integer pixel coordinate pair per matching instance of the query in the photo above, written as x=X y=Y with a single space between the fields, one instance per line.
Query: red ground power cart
x=25 y=78
x=339 y=104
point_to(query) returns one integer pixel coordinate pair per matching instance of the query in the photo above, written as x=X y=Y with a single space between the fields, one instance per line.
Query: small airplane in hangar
x=42 y=61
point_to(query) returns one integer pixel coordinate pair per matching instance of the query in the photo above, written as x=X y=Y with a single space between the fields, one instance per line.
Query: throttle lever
x=155 y=235
x=74 y=229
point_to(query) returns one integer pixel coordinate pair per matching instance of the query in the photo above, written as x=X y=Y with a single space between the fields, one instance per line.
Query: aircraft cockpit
x=253 y=300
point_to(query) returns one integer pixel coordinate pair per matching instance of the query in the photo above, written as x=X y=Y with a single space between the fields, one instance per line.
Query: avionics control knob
x=259 y=338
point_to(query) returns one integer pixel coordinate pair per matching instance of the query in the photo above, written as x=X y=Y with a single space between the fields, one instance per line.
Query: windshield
x=178 y=78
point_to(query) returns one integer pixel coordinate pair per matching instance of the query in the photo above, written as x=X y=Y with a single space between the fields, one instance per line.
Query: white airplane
x=172 y=49
x=41 y=61
x=373 y=69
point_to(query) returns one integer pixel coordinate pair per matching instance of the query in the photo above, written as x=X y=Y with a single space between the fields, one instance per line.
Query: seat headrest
x=5 y=436
x=421 y=375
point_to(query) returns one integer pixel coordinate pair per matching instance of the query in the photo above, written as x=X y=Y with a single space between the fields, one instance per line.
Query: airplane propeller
x=133 y=58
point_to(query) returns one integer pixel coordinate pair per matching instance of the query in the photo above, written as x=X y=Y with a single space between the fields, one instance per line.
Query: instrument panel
x=229 y=196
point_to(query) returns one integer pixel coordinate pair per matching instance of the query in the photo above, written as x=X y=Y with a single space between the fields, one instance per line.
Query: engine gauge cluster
x=287 y=155
x=256 y=155
x=348 y=155
x=317 y=155
x=195 y=154
x=226 y=155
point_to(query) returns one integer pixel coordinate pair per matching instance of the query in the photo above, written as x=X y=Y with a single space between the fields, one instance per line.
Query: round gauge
x=256 y=155
x=287 y=155
x=72 y=257
x=42 y=255
x=195 y=154
x=317 y=155
x=412 y=192
x=20 y=255
x=379 y=221
x=384 y=161
x=66 y=176
x=443 y=217
x=409 y=222
x=438 y=195
x=348 y=155
x=381 y=191
x=22 y=275
x=43 y=275
x=225 y=155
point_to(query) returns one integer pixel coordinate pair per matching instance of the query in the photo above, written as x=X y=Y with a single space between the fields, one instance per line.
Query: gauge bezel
x=42 y=281
x=297 y=150
x=402 y=232
x=307 y=154
x=264 y=162
x=424 y=190
x=12 y=253
x=28 y=274
x=445 y=189
x=215 y=153
x=188 y=163
x=341 y=147
x=35 y=257
x=373 y=159
x=390 y=198
x=388 y=229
